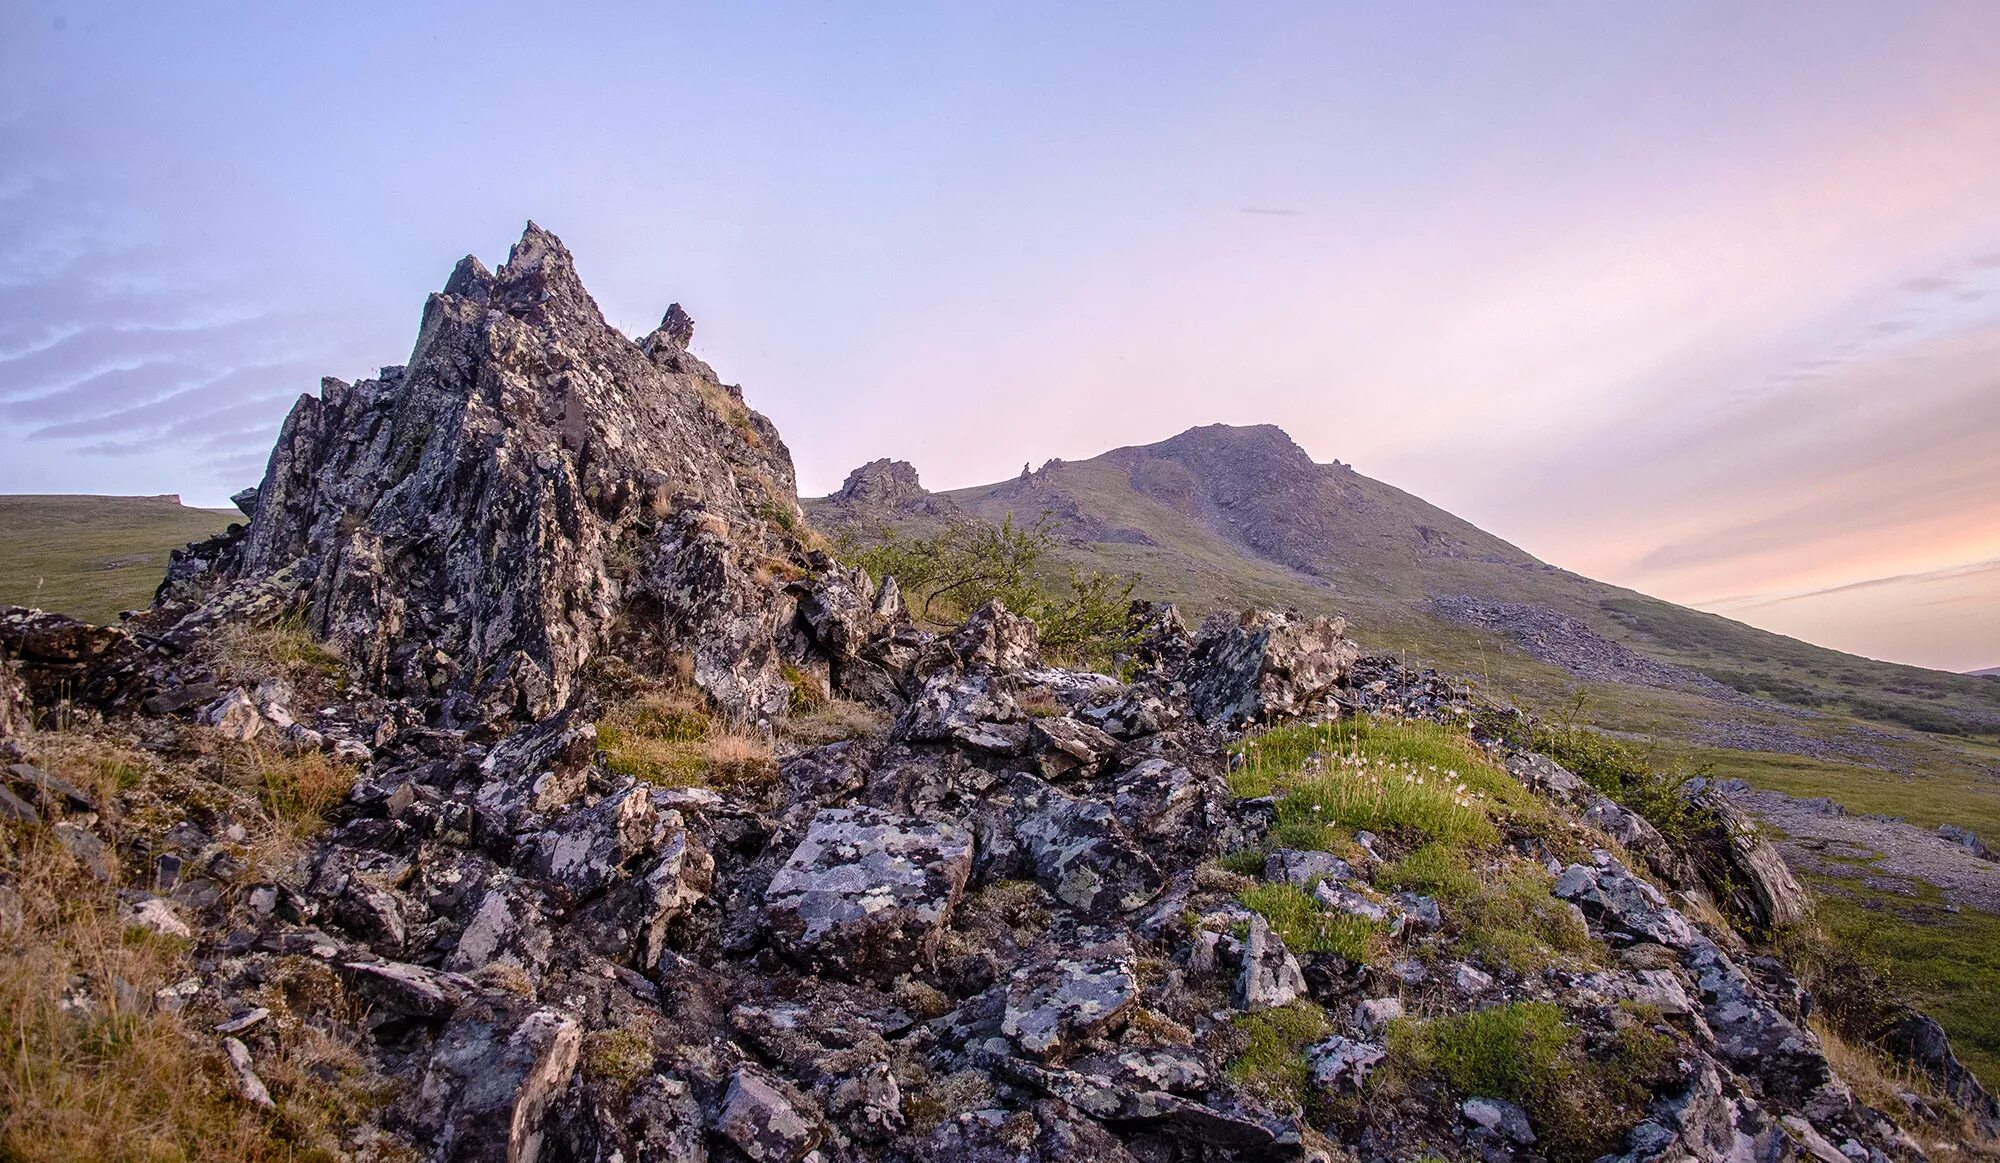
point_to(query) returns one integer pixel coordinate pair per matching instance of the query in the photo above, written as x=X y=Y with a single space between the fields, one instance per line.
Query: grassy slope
x=1382 y=581
x=92 y=557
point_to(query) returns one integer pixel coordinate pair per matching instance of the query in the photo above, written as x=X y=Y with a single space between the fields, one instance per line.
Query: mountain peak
x=1265 y=444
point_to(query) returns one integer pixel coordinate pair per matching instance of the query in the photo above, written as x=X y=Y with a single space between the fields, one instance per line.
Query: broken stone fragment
x=1342 y=1065
x=492 y=1078
x=1499 y=1117
x=248 y=1084
x=1063 y=746
x=1270 y=975
x=1303 y=867
x=156 y=915
x=235 y=716
x=867 y=893
x=1375 y=1013
x=761 y=1120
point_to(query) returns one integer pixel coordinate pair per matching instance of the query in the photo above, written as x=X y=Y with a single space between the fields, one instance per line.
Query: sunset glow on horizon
x=1702 y=300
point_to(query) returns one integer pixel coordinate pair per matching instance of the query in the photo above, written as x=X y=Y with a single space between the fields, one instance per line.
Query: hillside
x=93 y=557
x=1223 y=517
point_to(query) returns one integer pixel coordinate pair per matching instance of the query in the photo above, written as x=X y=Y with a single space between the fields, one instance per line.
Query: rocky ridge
x=995 y=930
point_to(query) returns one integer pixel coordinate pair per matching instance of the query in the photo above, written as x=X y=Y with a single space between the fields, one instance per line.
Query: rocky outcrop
x=474 y=524
x=997 y=928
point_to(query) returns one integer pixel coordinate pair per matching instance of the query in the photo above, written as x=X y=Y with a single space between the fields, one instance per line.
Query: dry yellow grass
x=832 y=720
x=92 y=1066
x=668 y=737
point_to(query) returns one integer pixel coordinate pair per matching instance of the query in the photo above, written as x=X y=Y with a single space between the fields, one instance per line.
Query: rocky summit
x=656 y=833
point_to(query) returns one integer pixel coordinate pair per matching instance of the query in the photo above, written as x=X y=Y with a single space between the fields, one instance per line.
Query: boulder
x=762 y=1121
x=494 y=1073
x=1260 y=666
x=1071 y=996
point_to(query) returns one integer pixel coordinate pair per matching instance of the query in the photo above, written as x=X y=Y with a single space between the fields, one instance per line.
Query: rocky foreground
x=661 y=835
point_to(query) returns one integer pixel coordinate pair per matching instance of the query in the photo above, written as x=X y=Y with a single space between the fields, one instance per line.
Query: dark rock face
x=472 y=524
x=1260 y=666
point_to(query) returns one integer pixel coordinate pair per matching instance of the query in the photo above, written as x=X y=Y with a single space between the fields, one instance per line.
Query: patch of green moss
x=1305 y=927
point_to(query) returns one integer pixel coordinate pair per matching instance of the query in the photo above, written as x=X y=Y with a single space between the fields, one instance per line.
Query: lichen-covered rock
x=1072 y=996
x=761 y=1120
x=867 y=893
x=1077 y=849
x=1261 y=666
x=494 y=1075
x=1630 y=908
x=1270 y=975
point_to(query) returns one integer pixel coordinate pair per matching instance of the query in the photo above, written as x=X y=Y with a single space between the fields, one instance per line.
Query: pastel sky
x=1699 y=298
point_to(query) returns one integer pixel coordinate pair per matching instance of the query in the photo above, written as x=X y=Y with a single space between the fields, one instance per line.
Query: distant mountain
x=1989 y=672
x=1224 y=516
x=91 y=557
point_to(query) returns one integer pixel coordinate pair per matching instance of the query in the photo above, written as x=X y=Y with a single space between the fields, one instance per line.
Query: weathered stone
x=1501 y=1118
x=757 y=1116
x=492 y=1079
x=1079 y=852
x=1270 y=975
x=1303 y=867
x=868 y=893
x=1064 y=746
x=156 y=915
x=248 y=1085
x=1377 y=1012
x=995 y=639
x=1343 y=1065
x=1260 y=666
x=1625 y=904
x=234 y=716
x=409 y=989
x=1052 y=1005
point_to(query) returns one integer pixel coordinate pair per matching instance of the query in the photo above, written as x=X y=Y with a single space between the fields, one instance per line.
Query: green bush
x=949 y=575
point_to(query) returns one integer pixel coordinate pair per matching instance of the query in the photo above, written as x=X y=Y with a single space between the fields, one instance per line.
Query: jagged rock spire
x=474 y=524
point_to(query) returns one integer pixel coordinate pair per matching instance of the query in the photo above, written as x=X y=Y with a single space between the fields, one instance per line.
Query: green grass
x=1306 y=927
x=1508 y=1051
x=1273 y=1062
x=94 y=557
x=1946 y=964
x=1419 y=780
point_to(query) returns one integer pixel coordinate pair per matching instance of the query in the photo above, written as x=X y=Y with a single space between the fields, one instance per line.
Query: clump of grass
x=1436 y=869
x=285 y=648
x=621 y=1055
x=1039 y=704
x=1306 y=927
x=1397 y=776
x=668 y=738
x=299 y=788
x=833 y=720
x=1273 y=1061
x=1244 y=861
x=1508 y=1051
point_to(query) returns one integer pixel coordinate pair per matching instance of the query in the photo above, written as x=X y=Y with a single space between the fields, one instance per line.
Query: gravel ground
x=1887 y=855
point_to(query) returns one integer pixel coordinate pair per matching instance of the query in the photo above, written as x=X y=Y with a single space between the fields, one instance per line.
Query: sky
x=1701 y=299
